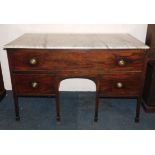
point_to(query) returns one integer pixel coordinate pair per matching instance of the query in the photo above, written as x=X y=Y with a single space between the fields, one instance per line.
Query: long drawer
x=120 y=84
x=33 y=84
x=101 y=60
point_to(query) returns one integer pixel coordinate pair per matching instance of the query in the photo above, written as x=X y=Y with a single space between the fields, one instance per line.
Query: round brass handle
x=34 y=84
x=33 y=61
x=119 y=84
x=121 y=62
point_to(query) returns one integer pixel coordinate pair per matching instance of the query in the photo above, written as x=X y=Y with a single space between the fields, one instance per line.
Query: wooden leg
x=138 y=110
x=16 y=104
x=57 y=107
x=96 y=108
x=2 y=94
x=97 y=102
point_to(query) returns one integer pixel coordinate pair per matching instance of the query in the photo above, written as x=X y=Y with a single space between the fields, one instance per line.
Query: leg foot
x=17 y=118
x=95 y=118
x=58 y=118
x=137 y=120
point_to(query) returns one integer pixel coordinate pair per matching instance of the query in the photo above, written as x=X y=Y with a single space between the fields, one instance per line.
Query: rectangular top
x=76 y=41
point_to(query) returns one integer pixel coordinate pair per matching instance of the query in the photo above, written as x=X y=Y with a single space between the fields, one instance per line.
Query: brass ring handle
x=33 y=61
x=121 y=62
x=119 y=84
x=34 y=84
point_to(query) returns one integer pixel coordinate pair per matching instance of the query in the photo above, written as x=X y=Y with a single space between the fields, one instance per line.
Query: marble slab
x=76 y=41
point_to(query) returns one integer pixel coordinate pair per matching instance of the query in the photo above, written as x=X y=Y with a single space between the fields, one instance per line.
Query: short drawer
x=60 y=60
x=33 y=84
x=120 y=84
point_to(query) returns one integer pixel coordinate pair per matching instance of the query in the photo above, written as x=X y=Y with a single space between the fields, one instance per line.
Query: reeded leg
x=138 y=110
x=16 y=104
x=57 y=107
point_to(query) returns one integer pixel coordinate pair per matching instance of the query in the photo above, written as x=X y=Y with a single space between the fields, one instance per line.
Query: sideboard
x=39 y=62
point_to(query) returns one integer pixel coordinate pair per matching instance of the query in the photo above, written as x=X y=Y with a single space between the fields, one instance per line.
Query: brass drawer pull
x=121 y=62
x=34 y=84
x=119 y=85
x=33 y=61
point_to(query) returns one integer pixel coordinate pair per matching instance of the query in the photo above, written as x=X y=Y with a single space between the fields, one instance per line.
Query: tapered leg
x=96 y=107
x=57 y=107
x=97 y=102
x=16 y=104
x=138 y=109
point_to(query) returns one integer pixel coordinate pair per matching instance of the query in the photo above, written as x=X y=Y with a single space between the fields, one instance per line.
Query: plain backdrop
x=10 y=32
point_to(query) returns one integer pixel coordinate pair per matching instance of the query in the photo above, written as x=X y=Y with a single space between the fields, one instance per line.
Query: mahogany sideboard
x=39 y=62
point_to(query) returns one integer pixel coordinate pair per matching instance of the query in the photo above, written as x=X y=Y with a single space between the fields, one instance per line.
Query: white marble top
x=77 y=41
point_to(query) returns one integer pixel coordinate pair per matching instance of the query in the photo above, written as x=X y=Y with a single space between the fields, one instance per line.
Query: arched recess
x=77 y=84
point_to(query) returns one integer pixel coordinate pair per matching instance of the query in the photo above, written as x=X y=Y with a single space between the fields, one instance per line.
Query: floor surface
x=77 y=113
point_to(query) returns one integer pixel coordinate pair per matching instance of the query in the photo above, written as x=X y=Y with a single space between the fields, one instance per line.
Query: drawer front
x=120 y=85
x=60 y=60
x=30 y=84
